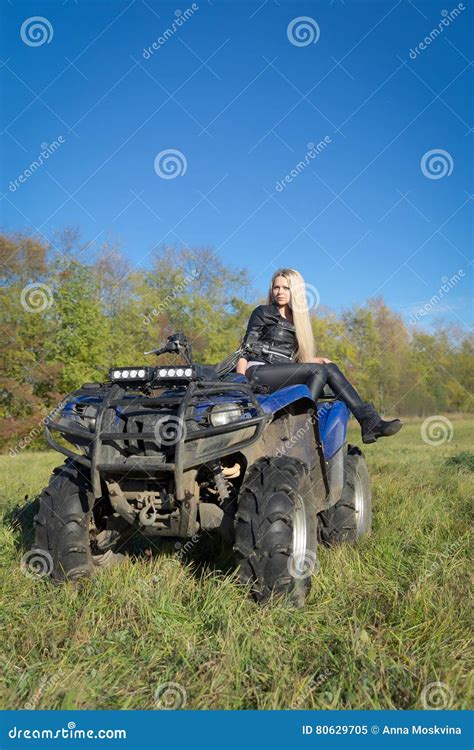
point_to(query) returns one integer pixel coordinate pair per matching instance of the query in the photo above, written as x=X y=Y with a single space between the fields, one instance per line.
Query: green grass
x=383 y=620
x=463 y=461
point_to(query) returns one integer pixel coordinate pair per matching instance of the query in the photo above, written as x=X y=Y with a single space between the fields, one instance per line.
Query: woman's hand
x=321 y=361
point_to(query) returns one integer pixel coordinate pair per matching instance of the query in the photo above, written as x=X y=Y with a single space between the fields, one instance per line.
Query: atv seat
x=208 y=372
x=327 y=394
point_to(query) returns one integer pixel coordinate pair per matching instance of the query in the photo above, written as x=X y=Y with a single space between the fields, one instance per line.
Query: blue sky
x=240 y=96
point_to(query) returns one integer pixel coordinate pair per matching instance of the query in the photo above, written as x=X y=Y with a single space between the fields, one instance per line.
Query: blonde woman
x=279 y=348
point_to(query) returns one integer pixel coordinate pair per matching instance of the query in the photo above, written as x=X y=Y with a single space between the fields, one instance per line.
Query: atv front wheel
x=351 y=517
x=276 y=530
x=62 y=523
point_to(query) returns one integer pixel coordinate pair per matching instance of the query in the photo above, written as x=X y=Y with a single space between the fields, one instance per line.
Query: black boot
x=372 y=424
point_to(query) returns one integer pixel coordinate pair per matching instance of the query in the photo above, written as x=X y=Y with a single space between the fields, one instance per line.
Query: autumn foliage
x=71 y=311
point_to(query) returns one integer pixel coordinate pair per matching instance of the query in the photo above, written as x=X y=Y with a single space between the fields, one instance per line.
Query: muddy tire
x=350 y=518
x=276 y=530
x=63 y=521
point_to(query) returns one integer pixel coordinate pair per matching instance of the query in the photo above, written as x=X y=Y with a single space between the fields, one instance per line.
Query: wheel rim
x=359 y=504
x=300 y=535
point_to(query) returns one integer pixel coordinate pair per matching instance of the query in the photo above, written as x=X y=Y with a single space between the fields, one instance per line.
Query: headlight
x=224 y=413
x=81 y=411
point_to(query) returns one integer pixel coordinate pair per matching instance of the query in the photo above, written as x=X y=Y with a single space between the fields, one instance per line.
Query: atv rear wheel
x=62 y=524
x=351 y=517
x=276 y=530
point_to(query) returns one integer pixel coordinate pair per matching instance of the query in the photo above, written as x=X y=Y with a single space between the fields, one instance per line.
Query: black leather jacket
x=269 y=336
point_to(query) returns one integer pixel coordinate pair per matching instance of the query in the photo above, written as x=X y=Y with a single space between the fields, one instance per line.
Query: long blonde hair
x=299 y=308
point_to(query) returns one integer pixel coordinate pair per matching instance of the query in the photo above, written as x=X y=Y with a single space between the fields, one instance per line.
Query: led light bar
x=176 y=372
x=147 y=374
x=135 y=374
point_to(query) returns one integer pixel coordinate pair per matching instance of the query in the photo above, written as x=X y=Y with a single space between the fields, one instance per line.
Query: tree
x=363 y=333
x=82 y=330
x=192 y=291
x=394 y=352
x=28 y=382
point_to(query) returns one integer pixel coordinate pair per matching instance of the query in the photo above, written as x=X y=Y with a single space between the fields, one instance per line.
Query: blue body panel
x=284 y=396
x=333 y=416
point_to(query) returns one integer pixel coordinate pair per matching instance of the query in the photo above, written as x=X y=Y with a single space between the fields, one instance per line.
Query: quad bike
x=176 y=450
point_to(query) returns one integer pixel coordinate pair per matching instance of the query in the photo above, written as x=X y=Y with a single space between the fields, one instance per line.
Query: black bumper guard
x=144 y=464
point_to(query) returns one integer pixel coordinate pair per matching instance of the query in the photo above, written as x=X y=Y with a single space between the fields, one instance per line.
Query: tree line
x=71 y=311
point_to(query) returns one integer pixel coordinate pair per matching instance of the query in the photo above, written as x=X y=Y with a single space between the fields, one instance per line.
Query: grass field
x=383 y=623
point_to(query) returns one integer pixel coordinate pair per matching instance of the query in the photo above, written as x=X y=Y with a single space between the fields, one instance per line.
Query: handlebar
x=254 y=348
x=177 y=343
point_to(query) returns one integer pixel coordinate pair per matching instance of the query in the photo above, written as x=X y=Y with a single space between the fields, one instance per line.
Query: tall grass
x=383 y=622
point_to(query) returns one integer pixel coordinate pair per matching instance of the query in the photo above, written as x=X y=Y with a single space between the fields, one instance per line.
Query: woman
x=279 y=348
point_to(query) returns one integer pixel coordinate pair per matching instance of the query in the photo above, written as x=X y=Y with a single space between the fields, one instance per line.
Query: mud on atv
x=175 y=450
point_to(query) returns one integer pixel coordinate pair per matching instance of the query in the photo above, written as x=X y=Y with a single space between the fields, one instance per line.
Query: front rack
x=115 y=398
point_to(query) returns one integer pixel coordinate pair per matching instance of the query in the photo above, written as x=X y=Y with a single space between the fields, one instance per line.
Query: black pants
x=311 y=374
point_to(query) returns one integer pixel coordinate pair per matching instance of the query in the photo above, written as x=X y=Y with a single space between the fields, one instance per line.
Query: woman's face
x=281 y=291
